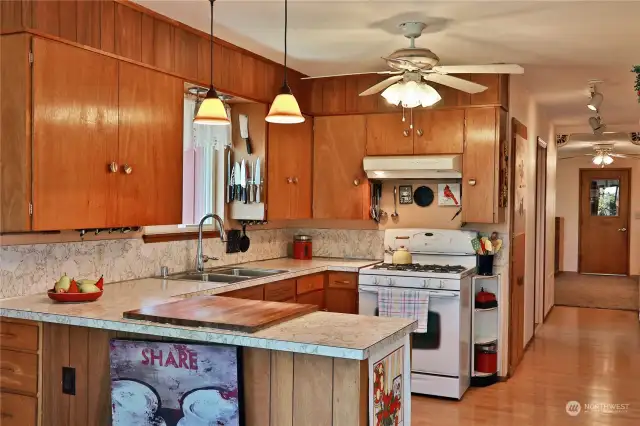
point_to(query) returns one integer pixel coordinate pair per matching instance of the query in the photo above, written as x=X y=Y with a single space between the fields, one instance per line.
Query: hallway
x=597 y=291
x=587 y=355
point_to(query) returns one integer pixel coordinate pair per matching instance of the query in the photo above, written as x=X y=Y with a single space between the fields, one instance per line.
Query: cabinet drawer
x=18 y=335
x=309 y=283
x=18 y=371
x=252 y=293
x=343 y=280
x=280 y=291
x=17 y=410
x=312 y=298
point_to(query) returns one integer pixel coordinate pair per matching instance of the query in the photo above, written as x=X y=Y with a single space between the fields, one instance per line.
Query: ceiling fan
x=603 y=155
x=415 y=65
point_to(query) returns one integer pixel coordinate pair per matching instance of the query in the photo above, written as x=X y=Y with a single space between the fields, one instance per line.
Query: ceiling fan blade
x=626 y=155
x=382 y=85
x=575 y=156
x=480 y=69
x=355 y=73
x=455 y=82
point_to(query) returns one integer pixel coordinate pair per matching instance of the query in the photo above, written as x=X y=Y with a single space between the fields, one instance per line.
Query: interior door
x=387 y=134
x=75 y=123
x=302 y=162
x=340 y=186
x=604 y=221
x=438 y=131
x=150 y=147
x=280 y=171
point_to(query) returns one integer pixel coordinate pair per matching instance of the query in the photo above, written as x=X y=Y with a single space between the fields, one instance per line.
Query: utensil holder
x=485 y=264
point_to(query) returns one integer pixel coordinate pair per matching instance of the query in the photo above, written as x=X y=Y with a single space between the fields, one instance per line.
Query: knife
x=250 y=186
x=229 y=181
x=257 y=180
x=243 y=182
x=236 y=181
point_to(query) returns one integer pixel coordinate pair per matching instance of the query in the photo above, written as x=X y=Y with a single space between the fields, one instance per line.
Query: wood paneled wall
x=280 y=388
x=339 y=95
x=129 y=30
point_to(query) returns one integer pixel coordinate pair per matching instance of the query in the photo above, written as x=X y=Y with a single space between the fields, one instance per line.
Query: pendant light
x=285 y=109
x=212 y=110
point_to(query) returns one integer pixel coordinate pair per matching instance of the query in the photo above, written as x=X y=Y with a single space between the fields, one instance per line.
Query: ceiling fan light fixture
x=411 y=94
x=607 y=159
x=598 y=160
x=595 y=101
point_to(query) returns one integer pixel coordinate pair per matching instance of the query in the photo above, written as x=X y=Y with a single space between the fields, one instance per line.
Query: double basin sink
x=225 y=274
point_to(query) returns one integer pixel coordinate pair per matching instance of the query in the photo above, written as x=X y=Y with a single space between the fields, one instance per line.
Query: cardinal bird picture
x=449 y=194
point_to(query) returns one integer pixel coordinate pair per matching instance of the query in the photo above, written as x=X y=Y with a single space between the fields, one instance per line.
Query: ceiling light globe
x=212 y=112
x=285 y=110
x=393 y=94
x=598 y=159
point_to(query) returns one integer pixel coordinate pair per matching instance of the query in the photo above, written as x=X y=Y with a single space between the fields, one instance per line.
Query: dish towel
x=411 y=304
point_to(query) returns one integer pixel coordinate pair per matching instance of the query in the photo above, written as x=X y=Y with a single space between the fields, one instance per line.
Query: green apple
x=63 y=283
x=88 y=288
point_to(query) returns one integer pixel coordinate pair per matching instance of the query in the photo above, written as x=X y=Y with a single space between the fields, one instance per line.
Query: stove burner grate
x=416 y=267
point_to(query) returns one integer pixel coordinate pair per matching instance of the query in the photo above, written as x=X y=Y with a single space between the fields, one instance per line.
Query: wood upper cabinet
x=481 y=165
x=289 y=165
x=438 y=131
x=75 y=136
x=387 y=134
x=339 y=147
x=149 y=186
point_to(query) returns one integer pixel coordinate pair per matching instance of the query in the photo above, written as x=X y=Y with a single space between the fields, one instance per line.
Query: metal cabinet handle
x=127 y=169
x=406 y=133
x=356 y=182
x=419 y=132
x=622 y=230
x=113 y=167
x=295 y=179
x=472 y=182
x=289 y=180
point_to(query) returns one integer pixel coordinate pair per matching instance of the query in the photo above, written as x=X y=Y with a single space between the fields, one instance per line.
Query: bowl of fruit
x=68 y=290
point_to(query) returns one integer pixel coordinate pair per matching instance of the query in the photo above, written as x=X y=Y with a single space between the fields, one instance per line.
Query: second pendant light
x=285 y=108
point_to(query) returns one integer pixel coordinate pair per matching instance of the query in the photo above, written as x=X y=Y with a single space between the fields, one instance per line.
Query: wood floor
x=597 y=291
x=586 y=355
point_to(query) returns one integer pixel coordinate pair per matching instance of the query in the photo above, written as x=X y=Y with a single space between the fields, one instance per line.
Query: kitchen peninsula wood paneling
x=88 y=23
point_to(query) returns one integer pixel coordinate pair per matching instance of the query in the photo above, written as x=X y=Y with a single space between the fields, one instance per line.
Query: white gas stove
x=444 y=261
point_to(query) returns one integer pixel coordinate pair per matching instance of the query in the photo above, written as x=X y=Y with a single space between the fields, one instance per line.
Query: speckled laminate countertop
x=320 y=333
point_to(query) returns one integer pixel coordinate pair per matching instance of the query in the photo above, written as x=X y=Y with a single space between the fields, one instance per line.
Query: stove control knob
x=441 y=284
x=425 y=284
x=389 y=283
x=375 y=281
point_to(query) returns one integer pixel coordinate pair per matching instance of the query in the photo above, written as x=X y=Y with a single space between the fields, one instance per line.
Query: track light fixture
x=595 y=98
x=596 y=125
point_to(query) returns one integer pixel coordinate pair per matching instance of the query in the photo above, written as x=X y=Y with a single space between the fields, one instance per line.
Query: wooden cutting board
x=225 y=313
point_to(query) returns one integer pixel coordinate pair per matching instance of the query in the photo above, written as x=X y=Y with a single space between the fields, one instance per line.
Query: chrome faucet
x=201 y=259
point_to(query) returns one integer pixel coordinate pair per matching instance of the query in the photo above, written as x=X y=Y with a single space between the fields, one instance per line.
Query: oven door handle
x=367 y=289
x=443 y=294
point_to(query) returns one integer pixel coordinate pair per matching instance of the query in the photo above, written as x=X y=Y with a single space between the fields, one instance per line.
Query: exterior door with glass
x=604 y=221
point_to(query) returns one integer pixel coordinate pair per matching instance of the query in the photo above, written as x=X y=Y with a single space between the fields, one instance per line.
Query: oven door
x=438 y=350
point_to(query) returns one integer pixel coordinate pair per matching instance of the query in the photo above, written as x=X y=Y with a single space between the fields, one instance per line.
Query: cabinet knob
x=289 y=180
x=356 y=182
x=406 y=133
x=622 y=230
x=295 y=179
x=113 y=167
x=127 y=169
x=419 y=132
x=472 y=182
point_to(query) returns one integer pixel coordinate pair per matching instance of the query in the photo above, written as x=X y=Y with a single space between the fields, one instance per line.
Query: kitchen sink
x=245 y=272
x=207 y=276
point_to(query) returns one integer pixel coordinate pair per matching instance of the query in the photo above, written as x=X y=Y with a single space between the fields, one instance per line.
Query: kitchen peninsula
x=312 y=370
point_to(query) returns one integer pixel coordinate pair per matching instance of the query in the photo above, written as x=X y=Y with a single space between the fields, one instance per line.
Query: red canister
x=486 y=358
x=302 y=247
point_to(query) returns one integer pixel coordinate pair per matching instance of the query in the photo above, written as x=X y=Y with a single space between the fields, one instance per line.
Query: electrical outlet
x=69 y=380
x=233 y=241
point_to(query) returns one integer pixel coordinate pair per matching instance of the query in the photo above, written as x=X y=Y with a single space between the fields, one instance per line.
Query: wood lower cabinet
x=17 y=410
x=342 y=292
x=438 y=131
x=280 y=291
x=340 y=186
x=251 y=293
x=483 y=167
x=313 y=298
x=387 y=134
x=289 y=165
x=149 y=186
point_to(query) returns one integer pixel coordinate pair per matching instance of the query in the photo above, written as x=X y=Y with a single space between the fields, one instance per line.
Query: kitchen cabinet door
x=313 y=298
x=302 y=157
x=340 y=186
x=149 y=188
x=75 y=136
x=342 y=301
x=387 y=134
x=480 y=174
x=438 y=131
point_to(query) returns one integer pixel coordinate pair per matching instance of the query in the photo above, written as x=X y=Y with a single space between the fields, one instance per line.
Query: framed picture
x=406 y=194
x=449 y=194
x=175 y=384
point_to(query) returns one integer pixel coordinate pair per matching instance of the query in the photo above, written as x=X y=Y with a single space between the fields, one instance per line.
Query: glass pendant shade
x=285 y=109
x=212 y=111
x=411 y=94
x=598 y=159
x=607 y=160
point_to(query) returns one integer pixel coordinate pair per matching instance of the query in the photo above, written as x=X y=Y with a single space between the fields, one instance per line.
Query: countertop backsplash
x=31 y=269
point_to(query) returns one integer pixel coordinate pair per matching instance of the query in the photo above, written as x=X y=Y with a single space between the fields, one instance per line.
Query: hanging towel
x=411 y=304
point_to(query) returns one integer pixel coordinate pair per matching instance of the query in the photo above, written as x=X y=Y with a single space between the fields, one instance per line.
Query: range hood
x=414 y=167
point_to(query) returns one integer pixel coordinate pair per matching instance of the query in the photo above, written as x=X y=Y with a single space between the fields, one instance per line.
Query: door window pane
x=605 y=197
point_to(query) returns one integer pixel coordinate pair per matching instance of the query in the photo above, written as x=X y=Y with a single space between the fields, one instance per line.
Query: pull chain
x=411 y=125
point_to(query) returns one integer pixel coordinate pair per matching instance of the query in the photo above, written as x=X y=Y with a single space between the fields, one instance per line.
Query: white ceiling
x=561 y=44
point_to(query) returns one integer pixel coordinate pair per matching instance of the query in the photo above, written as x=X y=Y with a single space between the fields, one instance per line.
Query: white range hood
x=414 y=167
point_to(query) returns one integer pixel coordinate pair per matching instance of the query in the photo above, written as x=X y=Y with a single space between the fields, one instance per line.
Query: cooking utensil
x=401 y=255
x=229 y=182
x=250 y=185
x=245 y=242
x=236 y=181
x=423 y=196
x=394 y=215
x=243 y=182
x=243 y=120
x=258 y=181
